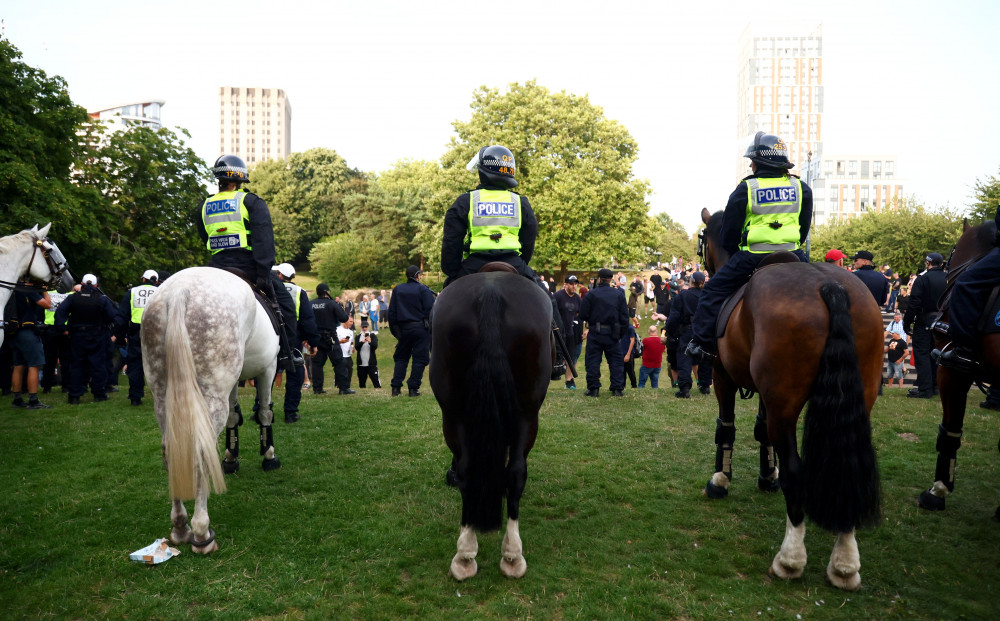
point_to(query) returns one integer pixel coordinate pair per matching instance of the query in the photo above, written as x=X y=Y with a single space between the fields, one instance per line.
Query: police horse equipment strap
x=56 y=269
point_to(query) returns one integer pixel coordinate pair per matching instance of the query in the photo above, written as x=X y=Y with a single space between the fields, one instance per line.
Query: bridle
x=54 y=259
x=706 y=256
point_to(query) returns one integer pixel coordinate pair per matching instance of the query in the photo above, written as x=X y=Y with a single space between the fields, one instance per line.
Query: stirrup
x=960 y=359
x=696 y=352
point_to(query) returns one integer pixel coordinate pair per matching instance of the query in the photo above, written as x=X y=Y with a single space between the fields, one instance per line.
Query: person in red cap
x=836 y=257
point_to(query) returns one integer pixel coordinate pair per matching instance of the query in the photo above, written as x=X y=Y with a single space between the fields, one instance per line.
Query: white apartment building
x=848 y=185
x=780 y=92
x=255 y=123
x=144 y=113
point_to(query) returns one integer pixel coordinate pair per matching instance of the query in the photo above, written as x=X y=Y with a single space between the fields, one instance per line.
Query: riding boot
x=962 y=359
x=698 y=351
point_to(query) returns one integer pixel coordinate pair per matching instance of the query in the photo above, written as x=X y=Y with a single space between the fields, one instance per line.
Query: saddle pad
x=727 y=309
x=261 y=298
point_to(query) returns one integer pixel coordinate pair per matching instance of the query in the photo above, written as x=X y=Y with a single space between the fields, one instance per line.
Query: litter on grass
x=155 y=553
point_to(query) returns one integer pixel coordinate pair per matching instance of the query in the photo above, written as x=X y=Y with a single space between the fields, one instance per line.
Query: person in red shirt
x=652 y=359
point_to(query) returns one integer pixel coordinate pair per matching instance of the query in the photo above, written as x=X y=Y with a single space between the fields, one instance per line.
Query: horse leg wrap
x=239 y=411
x=725 y=436
x=767 y=461
x=948 y=443
x=233 y=441
x=266 y=438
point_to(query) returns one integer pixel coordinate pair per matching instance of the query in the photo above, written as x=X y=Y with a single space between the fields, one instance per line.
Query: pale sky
x=382 y=80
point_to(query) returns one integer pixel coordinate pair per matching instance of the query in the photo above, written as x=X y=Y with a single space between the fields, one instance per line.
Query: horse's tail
x=192 y=456
x=840 y=478
x=491 y=402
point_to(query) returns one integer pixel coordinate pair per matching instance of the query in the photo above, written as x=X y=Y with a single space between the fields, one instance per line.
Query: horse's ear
x=965 y=224
x=706 y=215
x=42 y=234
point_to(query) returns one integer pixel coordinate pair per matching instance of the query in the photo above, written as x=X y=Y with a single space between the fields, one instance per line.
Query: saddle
x=262 y=299
x=775 y=258
x=498 y=266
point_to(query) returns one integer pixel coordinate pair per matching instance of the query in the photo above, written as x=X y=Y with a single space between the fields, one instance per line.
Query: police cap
x=698 y=277
x=605 y=273
x=863 y=254
x=935 y=259
x=412 y=271
x=322 y=288
x=572 y=279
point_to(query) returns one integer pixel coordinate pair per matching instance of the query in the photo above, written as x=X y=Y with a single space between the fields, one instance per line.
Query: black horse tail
x=491 y=405
x=840 y=478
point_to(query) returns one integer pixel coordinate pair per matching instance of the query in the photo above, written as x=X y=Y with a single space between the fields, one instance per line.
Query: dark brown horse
x=804 y=333
x=954 y=384
x=490 y=372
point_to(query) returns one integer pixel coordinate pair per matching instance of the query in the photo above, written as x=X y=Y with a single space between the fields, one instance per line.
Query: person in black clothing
x=306 y=335
x=26 y=346
x=328 y=316
x=875 y=281
x=409 y=321
x=917 y=322
x=679 y=327
x=235 y=226
x=128 y=331
x=606 y=313
x=968 y=297
x=365 y=343
x=568 y=303
x=86 y=317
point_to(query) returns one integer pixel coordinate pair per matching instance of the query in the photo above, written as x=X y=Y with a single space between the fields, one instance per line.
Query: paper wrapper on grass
x=154 y=553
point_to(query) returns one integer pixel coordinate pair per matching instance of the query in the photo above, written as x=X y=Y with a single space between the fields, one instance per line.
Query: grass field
x=358 y=522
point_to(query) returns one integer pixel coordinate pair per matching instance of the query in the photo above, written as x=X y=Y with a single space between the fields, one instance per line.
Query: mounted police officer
x=768 y=211
x=492 y=223
x=679 y=326
x=86 y=316
x=237 y=230
x=128 y=329
x=409 y=321
x=305 y=321
x=606 y=313
x=917 y=322
x=968 y=297
x=328 y=315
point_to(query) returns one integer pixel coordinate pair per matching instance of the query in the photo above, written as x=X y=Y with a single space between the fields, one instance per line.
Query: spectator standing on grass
x=652 y=359
x=896 y=356
x=568 y=304
x=344 y=368
x=365 y=344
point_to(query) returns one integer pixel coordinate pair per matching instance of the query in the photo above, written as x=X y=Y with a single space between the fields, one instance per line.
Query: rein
x=54 y=269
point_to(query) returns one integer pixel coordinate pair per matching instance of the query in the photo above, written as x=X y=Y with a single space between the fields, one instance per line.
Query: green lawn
x=359 y=524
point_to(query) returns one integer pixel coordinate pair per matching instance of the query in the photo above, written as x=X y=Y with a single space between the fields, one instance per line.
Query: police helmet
x=769 y=150
x=231 y=168
x=496 y=165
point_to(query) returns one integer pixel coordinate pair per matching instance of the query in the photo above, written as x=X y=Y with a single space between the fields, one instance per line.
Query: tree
x=38 y=143
x=349 y=261
x=987 y=193
x=573 y=163
x=671 y=239
x=900 y=236
x=305 y=193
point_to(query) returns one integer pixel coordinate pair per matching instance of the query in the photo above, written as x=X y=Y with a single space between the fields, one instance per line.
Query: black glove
x=264 y=284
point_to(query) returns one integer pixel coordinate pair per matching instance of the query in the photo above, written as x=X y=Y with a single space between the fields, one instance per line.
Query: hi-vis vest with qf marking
x=225 y=216
x=296 y=292
x=773 y=206
x=494 y=213
x=138 y=298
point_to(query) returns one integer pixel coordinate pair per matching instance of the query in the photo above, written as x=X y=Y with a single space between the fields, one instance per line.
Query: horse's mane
x=8 y=243
x=714 y=226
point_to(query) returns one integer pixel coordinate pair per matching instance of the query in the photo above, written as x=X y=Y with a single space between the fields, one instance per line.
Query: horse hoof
x=513 y=568
x=271 y=464
x=850 y=582
x=931 y=502
x=178 y=537
x=230 y=467
x=765 y=484
x=207 y=546
x=783 y=571
x=451 y=478
x=714 y=491
x=463 y=569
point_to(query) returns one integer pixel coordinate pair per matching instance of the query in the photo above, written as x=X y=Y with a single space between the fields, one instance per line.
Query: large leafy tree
x=305 y=193
x=987 y=195
x=672 y=240
x=38 y=144
x=900 y=236
x=573 y=163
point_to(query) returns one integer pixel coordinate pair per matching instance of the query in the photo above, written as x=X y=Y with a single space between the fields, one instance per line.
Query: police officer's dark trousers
x=685 y=364
x=342 y=369
x=88 y=360
x=56 y=346
x=610 y=346
x=730 y=277
x=133 y=369
x=293 y=390
x=414 y=341
x=923 y=343
x=971 y=292
x=327 y=350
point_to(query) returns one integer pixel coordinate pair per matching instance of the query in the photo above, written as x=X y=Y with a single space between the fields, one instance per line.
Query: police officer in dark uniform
x=236 y=228
x=606 y=313
x=769 y=211
x=128 y=325
x=328 y=315
x=679 y=326
x=86 y=316
x=56 y=345
x=864 y=269
x=917 y=322
x=409 y=321
x=306 y=332
x=968 y=297
x=26 y=345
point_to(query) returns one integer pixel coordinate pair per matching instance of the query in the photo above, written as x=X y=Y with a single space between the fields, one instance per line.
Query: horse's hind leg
x=231 y=459
x=512 y=562
x=463 y=566
x=265 y=416
x=725 y=436
x=845 y=563
x=180 y=533
x=767 y=480
x=202 y=537
x=954 y=391
x=790 y=560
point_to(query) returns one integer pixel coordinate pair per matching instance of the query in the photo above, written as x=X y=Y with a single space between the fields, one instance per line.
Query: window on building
x=864 y=169
x=852 y=168
x=876 y=169
x=834 y=193
x=840 y=168
x=889 y=168
x=827 y=168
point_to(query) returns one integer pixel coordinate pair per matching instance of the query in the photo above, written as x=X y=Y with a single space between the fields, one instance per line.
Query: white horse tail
x=192 y=456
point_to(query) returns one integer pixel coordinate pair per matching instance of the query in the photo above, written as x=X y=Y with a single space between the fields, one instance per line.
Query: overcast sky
x=382 y=80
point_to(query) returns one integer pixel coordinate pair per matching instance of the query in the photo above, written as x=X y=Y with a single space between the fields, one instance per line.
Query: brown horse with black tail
x=954 y=383
x=804 y=333
x=490 y=371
